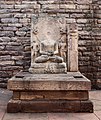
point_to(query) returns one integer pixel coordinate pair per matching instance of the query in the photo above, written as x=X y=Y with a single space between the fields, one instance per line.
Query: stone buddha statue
x=48 y=50
x=47 y=47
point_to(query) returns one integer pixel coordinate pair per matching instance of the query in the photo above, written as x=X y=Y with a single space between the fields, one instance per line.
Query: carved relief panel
x=49 y=45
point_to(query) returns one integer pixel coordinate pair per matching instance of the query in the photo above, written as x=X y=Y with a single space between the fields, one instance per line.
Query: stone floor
x=95 y=96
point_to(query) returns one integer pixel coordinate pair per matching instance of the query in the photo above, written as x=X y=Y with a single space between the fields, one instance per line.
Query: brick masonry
x=15 y=24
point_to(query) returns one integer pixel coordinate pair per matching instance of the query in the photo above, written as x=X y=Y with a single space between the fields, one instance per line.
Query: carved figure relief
x=48 y=52
x=48 y=45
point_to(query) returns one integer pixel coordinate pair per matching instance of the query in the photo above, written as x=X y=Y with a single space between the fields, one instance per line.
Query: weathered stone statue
x=48 y=55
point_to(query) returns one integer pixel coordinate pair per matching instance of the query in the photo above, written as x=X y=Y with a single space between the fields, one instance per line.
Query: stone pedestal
x=49 y=93
x=49 y=68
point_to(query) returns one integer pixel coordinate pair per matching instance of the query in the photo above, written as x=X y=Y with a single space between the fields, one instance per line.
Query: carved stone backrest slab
x=54 y=45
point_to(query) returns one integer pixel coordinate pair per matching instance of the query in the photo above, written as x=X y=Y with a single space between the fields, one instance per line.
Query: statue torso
x=48 y=46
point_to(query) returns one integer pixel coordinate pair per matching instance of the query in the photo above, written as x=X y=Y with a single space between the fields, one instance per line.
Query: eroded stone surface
x=49 y=82
x=52 y=95
x=49 y=106
x=53 y=42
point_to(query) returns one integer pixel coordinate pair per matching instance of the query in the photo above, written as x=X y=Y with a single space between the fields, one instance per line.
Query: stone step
x=32 y=82
x=56 y=95
x=49 y=106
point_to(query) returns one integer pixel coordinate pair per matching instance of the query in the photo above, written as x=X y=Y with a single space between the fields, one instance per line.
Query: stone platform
x=49 y=93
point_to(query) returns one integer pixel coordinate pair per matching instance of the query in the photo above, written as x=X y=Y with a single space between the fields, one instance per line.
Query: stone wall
x=96 y=34
x=15 y=25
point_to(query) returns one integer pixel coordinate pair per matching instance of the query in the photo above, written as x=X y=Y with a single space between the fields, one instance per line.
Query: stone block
x=26 y=29
x=5 y=57
x=53 y=68
x=2 y=47
x=20 y=33
x=3 y=85
x=98 y=83
x=52 y=95
x=50 y=6
x=86 y=7
x=3 y=11
x=10 y=2
x=67 y=6
x=14 y=48
x=15 y=24
x=10 y=28
x=19 y=62
x=6 y=33
x=41 y=106
x=9 y=52
x=28 y=10
x=29 y=2
x=13 y=106
x=5 y=15
x=10 y=62
x=4 y=6
x=16 y=95
x=20 y=15
x=21 y=6
x=82 y=21
x=85 y=2
x=17 y=57
x=9 y=20
x=99 y=21
x=24 y=20
x=86 y=105
x=49 y=82
x=46 y=2
x=5 y=74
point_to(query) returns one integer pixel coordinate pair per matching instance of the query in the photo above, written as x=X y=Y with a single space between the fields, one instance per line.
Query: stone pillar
x=72 y=53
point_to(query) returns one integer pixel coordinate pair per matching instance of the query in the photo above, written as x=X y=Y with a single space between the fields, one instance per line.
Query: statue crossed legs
x=48 y=52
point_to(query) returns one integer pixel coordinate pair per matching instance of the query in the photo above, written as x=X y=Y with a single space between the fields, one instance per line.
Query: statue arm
x=56 y=49
x=41 y=50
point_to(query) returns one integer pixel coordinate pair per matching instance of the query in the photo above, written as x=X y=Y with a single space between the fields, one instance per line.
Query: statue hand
x=50 y=53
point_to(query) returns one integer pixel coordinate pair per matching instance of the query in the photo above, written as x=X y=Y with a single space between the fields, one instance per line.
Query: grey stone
x=10 y=28
x=9 y=20
x=69 y=81
x=6 y=6
x=20 y=33
x=15 y=25
x=10 y=62
x=6 y=33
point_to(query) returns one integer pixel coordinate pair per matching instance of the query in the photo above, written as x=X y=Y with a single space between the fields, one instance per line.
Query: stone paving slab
x=26 y=116
x=97 y=105
x=72 y=116
x=51 y=116
x=5 y=95
x=98 y=114
x=38 y=116
x=2 y=111
x=95 y=95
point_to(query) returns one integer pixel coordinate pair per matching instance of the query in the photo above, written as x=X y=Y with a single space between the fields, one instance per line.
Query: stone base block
x=41 y=106
x=49 y=93
x=44 y=68
x=52 y=95
x=26 y=81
